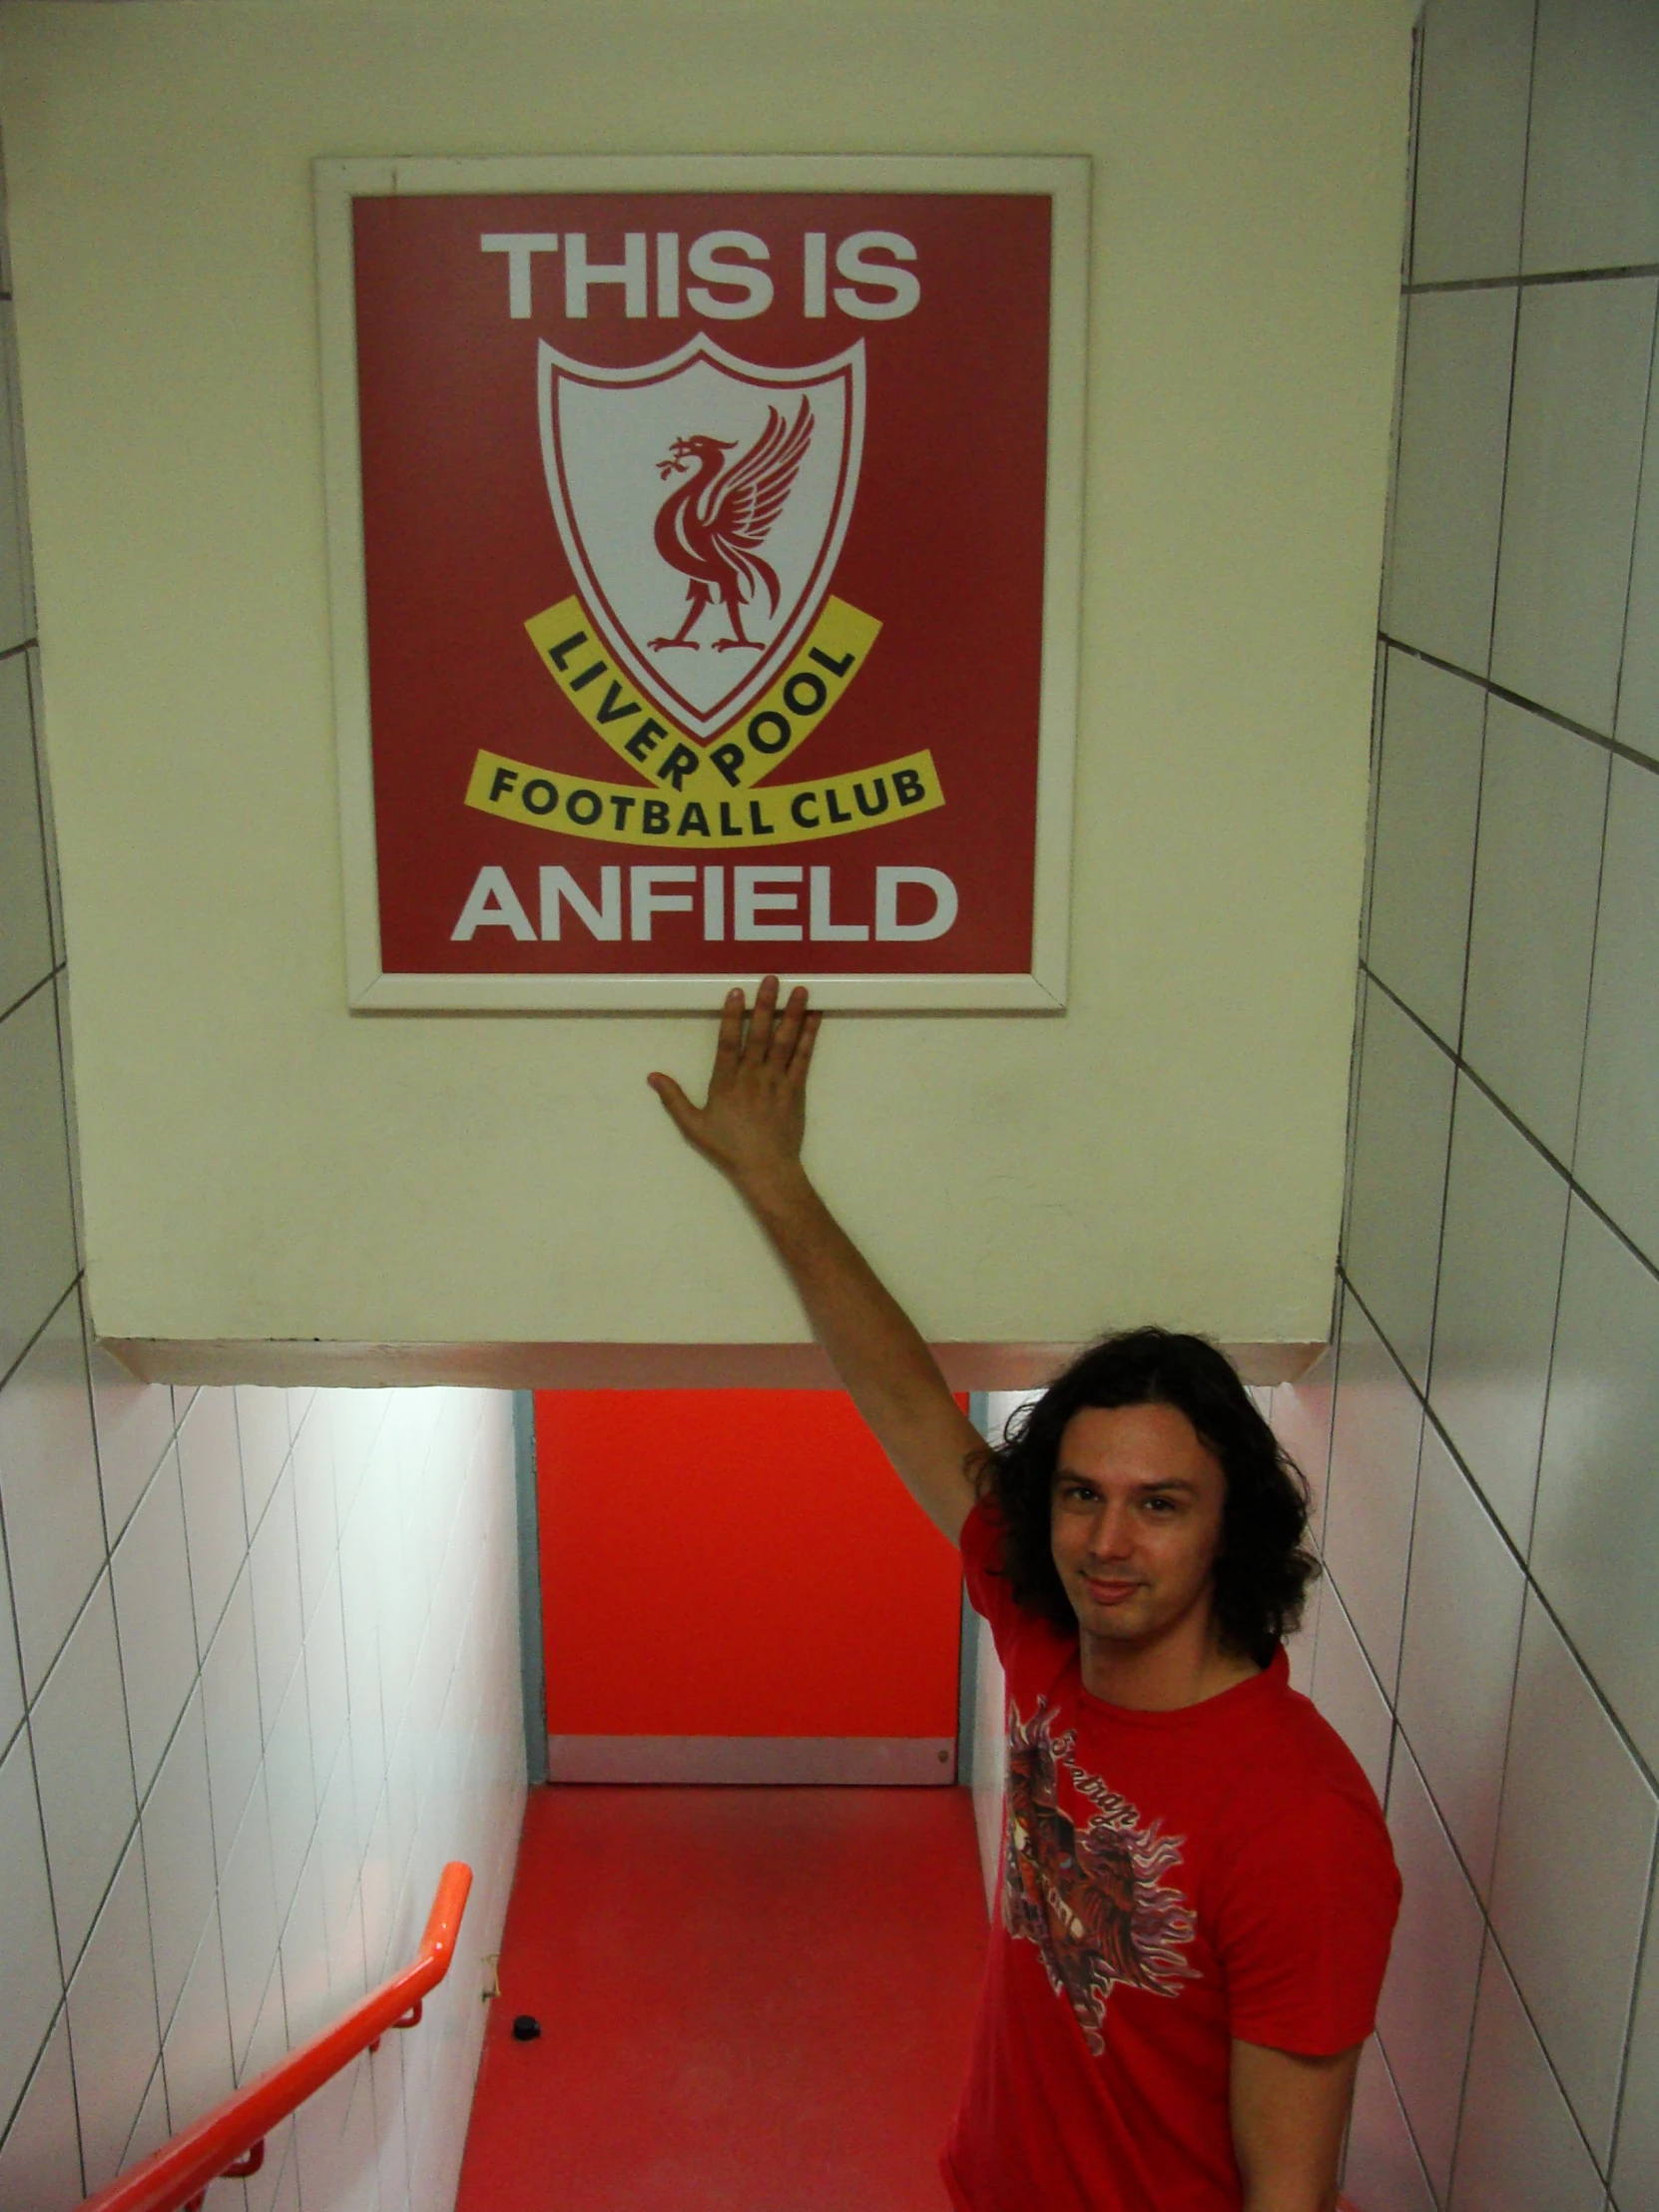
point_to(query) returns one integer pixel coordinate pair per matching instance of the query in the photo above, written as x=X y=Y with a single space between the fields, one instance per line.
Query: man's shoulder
x=1286 y=1755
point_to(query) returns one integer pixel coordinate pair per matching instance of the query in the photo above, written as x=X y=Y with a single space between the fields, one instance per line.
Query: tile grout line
x=1615 y=745
x=1531 y=281
x=58 y=968
x=1578 y=1190
x=1533 y=1587
x=1636 y=516
x=1647 y=1960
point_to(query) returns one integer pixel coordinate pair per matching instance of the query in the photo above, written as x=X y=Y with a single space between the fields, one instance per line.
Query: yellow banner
x=781 y=814
x=755 y=744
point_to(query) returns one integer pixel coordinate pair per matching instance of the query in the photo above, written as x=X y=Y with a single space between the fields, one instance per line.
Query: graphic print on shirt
x=1090 y=1893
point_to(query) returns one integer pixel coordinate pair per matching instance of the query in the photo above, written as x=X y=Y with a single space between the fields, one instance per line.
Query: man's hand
x=755 y=1114
x=750 y=1129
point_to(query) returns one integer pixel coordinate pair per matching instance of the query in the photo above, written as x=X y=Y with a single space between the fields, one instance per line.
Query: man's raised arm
x=751 y=1129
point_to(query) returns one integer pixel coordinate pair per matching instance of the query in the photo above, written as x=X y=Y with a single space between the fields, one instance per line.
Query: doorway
x=737 y=1588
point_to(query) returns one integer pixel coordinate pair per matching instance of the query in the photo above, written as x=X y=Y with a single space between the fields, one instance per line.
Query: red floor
x=752 y=2001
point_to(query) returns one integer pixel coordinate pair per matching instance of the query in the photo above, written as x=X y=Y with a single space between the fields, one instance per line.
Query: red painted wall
x=737 y=1563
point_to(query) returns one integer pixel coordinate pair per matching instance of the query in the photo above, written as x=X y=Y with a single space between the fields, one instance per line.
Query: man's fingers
x=729 y=1050
x=804 y=1049
x=789 y=1028
x=760 y=1021
x=684 y=1115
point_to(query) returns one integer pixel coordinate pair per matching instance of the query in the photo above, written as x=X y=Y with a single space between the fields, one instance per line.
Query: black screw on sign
x=526 y=2029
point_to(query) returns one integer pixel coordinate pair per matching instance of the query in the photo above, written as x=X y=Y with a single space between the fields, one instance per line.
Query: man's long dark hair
x=1263 y=1568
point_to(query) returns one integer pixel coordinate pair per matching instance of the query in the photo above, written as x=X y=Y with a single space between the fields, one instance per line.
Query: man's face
x=1136 y=1520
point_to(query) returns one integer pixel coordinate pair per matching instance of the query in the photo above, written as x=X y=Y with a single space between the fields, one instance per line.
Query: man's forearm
x=873 y=1345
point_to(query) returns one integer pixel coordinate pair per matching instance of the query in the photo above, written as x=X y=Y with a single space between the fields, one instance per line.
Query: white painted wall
x=259 y=1165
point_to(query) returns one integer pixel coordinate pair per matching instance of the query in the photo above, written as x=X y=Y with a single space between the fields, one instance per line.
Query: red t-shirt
x=1170 y=1881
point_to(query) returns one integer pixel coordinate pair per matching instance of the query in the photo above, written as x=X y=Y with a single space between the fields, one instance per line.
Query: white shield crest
x=702 y=501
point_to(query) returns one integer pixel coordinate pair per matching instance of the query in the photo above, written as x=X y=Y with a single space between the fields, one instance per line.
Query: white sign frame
x=1065 y=181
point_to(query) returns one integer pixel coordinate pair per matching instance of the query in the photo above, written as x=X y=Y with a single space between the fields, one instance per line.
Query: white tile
x=1638 y=716
x=214 y=1518
x=231 y=1708
x=339 y=1862
x=328 y=1683
x=274 y=1562
x=25 y=918
x=1427 y=2005
x=16 y=588
x=1374 y=1470
x=262 y=1425
x=1302 y=1645
x=1618 y=1132
x=290 y=1790
x=151 y=1571
x=248 y=1919
x=11 y=1678
x=54 y=888
x=367 y=1727
x=379 y=1890
x=1346 y=1692
x=390 y=2119
x=1301 y=1419
x=1595 y=1553
x=40 y=2161
x=150 y=2130
x=305 y=1948
x=134 y=1421
x=1592 y=178
x=134 y=1425
x=35 y=1201
x=178 y=1857
x=113 y=2039
x=1542 y=806
x=1457 y=1664
x=1403 y=1128
x=1448 y=486
x=1428 y=790
x=27 y=1944
x=1518 y=2148
x=1572 y=1796
x=196 y=2051
x=1472 y=140
x=1501 y=1272
x=269 y=2041
x=1384 y=2172
x=335 y=2142
x=283 y=2194
x=314 y=1500
x=86 y=1777
x=1636 y=2149
x=48 y=1485
x=1569 y=502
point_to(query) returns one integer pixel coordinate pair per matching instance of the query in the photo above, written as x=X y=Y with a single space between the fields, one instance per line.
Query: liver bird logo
x=703 y=595
x=712 y=528
x=1091 y=1894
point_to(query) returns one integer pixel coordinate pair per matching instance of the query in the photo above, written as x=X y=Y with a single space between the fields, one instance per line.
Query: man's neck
x=1183 y=1665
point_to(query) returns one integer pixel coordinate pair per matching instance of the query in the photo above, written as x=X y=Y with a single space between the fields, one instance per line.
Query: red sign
x=703 y=542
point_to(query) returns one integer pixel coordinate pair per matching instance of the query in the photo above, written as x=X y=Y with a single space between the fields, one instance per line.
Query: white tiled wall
x=1492 y=1525
x=259 y=1675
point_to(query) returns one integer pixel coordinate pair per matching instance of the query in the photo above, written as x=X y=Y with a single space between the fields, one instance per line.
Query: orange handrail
x=229 y=2140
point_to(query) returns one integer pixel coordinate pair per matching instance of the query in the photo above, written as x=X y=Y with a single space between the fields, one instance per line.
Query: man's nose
x=1110 y=1539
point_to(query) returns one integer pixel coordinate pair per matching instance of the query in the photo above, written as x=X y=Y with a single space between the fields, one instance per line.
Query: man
x=1198 y=1891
